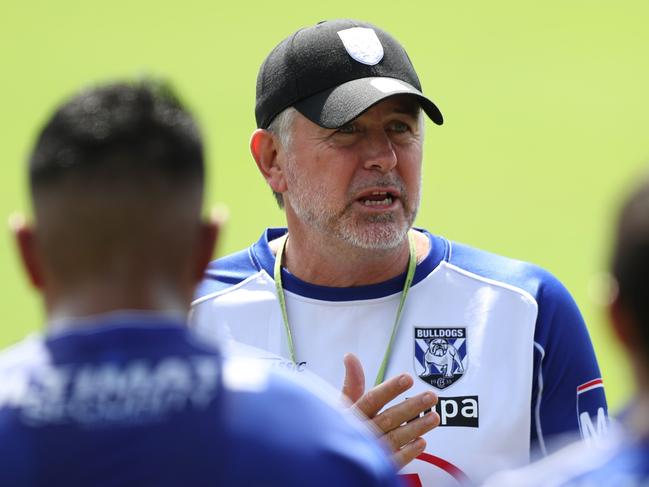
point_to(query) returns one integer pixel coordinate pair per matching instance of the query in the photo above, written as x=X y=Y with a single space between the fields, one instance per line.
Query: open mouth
x=377 y=198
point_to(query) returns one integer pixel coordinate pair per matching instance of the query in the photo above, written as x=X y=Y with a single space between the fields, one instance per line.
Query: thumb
x=354 y=383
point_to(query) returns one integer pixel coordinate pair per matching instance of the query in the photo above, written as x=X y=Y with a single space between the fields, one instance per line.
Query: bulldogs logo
x=440 y=355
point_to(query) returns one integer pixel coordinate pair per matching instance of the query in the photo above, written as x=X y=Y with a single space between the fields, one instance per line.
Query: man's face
x=361 y=182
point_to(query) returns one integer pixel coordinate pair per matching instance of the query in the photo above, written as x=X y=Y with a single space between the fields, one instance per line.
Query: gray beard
x=378 y=232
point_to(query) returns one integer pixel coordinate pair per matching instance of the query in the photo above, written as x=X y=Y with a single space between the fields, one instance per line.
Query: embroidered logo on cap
x=362 y=44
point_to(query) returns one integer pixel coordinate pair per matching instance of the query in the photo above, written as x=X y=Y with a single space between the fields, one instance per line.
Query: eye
x=347 y=129
x=399 y=126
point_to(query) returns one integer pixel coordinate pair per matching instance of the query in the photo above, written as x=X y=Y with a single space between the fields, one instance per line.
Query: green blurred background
x=546 y=106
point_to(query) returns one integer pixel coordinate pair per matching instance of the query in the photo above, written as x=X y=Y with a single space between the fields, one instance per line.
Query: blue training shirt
x=138 y=400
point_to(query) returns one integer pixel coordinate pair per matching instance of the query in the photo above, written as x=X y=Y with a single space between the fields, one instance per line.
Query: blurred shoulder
x=578 y=464
x=287 y=416
x=29 y=353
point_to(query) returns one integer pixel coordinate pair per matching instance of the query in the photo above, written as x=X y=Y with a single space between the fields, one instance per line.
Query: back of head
x=630 y=261
x=116 y=180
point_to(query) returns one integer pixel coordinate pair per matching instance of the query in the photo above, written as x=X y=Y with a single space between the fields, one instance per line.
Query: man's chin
x=376 y=235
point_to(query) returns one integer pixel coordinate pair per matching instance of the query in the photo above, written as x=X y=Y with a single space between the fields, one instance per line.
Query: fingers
x=398 y=414
x=354 y=383
x=403 y=435
x=401 y=432
x=373 y=400
x=404 y=439
x=409 y=452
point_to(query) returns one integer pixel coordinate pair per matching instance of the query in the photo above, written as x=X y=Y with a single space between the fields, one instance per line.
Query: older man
x=340 y=116
x=118 y=391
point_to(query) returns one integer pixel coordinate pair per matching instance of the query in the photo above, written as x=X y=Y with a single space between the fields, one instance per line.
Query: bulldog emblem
x=440 y=355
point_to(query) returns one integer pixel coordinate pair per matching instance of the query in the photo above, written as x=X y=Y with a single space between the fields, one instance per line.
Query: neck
x=100 y=298
x=335 y=264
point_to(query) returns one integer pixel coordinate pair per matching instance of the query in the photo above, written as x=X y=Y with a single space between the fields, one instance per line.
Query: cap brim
x=337 y=106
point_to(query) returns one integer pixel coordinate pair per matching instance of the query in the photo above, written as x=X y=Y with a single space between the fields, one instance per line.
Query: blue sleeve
x=567 y=392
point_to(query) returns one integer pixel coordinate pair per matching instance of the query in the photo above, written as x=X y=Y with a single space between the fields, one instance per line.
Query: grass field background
x=546 y=107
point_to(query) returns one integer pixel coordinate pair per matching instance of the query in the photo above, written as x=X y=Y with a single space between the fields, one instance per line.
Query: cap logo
x=362 y=44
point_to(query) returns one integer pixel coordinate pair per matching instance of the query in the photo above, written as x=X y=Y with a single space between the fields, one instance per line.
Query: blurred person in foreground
x=621 y=457
x=350 y=290
x=118 y=391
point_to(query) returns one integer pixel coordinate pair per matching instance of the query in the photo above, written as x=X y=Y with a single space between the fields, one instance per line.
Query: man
x=621 y=458
x=339 y=110
x=118 y=391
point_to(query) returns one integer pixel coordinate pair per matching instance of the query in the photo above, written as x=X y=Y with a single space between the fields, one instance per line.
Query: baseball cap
x=333 y=71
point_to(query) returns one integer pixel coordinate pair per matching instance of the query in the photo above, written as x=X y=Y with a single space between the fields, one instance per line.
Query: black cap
x=333 y=72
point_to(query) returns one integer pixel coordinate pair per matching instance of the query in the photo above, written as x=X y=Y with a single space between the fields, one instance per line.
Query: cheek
x=410 y=170
x=335 y=173
x=321 y=182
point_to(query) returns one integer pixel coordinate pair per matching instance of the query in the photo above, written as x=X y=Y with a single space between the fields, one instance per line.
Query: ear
x=25 y=237
x=208 y=237
x=623 y=325
x=266 y=151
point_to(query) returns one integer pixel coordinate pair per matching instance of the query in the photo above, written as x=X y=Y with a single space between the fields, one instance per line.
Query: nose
x=379 y=153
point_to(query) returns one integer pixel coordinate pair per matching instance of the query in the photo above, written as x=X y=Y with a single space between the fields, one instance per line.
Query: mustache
x=382 y=182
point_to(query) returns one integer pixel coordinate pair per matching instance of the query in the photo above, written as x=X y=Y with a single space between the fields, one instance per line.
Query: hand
x=404 y=438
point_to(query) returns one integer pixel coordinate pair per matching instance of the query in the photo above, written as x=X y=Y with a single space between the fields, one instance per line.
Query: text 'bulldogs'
x=439 y=332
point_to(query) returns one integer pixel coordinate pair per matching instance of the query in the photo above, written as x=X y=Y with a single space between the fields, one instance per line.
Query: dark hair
x=117 y=177
x=119 y=131
x=630 y=260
